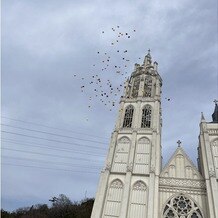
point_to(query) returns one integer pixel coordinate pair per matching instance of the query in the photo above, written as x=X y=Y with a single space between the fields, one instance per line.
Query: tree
x=61 y=201
x=62 y=207
x=5 y=214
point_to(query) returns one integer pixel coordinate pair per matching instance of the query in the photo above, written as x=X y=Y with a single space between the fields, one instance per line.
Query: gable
x=180 y=166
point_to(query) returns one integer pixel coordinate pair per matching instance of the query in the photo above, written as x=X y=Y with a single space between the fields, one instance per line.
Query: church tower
x=208 y=159
x=133 y=183
x=129 y=183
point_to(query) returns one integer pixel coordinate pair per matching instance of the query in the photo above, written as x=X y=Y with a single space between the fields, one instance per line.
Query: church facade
x=133 y=183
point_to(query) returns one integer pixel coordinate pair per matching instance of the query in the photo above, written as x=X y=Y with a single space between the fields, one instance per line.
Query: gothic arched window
x=121 y=156
x=146 y=117
x=181 y=206
x=128 y=116
x=135 y=88
x=142 y=156
x=138 y=200
x=114 y=199
x=148 y=87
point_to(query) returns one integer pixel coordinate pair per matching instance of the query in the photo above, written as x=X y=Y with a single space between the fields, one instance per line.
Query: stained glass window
x=148 y=87
x=181 y=206
x=146 y=117
x=135 y=88
x=128 y=116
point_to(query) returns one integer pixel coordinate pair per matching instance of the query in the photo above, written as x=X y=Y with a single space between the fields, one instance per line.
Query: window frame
x=128 y=117
x=146 y=119
x=147 y=85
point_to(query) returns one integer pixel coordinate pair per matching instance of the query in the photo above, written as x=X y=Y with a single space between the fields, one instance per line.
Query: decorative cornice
x=183 y=190
x=191 y=183
x=138 y=130
x=213 y=131
x=141 y=99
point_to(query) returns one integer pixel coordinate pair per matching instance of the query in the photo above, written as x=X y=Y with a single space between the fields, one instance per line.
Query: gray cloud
x=44 y=43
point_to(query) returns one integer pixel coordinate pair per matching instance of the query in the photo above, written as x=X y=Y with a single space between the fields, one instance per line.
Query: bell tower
x=129 y=183
x=208 y=159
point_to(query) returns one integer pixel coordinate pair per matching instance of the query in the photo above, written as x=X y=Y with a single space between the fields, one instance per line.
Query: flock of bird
x=108 y=91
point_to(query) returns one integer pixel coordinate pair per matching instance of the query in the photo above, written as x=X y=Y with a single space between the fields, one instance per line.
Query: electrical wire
x=50 y=168
x=52 y=155
x=52 y=140
x=23 y=121
x=52 y=148
x=54 y=134
x=52 y=162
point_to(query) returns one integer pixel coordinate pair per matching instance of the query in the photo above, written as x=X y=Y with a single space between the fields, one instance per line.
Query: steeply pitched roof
x=180 y=166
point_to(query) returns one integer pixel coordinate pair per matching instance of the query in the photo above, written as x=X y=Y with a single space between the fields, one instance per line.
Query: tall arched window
x=114 y=198
x=135 y=88
x=128 y=116
x=121 y=156
x=148 y=87
x=146 y=117
x=181 y=206
x=142 y=156
x=138 y=200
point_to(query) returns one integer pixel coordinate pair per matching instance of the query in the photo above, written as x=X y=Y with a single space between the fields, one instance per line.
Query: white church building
x=133 y=183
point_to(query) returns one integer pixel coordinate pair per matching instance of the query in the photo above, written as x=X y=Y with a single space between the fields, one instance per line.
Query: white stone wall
x=208 y=157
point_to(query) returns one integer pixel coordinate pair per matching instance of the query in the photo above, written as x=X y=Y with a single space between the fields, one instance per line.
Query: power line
x=52 y=162
x=54 y=134
x=52 y=155
x=49 y=147
x=52 y=140
x=17 y=120
x=49 y=168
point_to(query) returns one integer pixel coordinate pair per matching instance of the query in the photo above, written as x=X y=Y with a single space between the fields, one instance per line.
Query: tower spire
x=149 y=51
x=215 y=113
x=147 y=60
x=202 y=117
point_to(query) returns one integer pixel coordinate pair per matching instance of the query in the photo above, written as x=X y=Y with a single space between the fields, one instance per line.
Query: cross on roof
x=215 y=101
x=179 y=143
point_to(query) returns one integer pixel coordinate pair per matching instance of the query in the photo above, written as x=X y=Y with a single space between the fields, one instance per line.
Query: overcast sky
x=46 y=42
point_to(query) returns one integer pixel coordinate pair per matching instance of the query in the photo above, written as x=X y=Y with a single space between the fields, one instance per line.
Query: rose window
x=181 y=207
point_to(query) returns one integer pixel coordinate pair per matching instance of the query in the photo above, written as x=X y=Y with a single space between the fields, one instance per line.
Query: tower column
x=151 y=195
x=138 y=119
x=214 y=186
x=127 y=189
x=100 y=195
x=103 y=183
x=157 y=145
x=206 y=174
x=112 y=146
x=124 y=208
x=156 y=197
x=120 y=115
x=213 y=183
